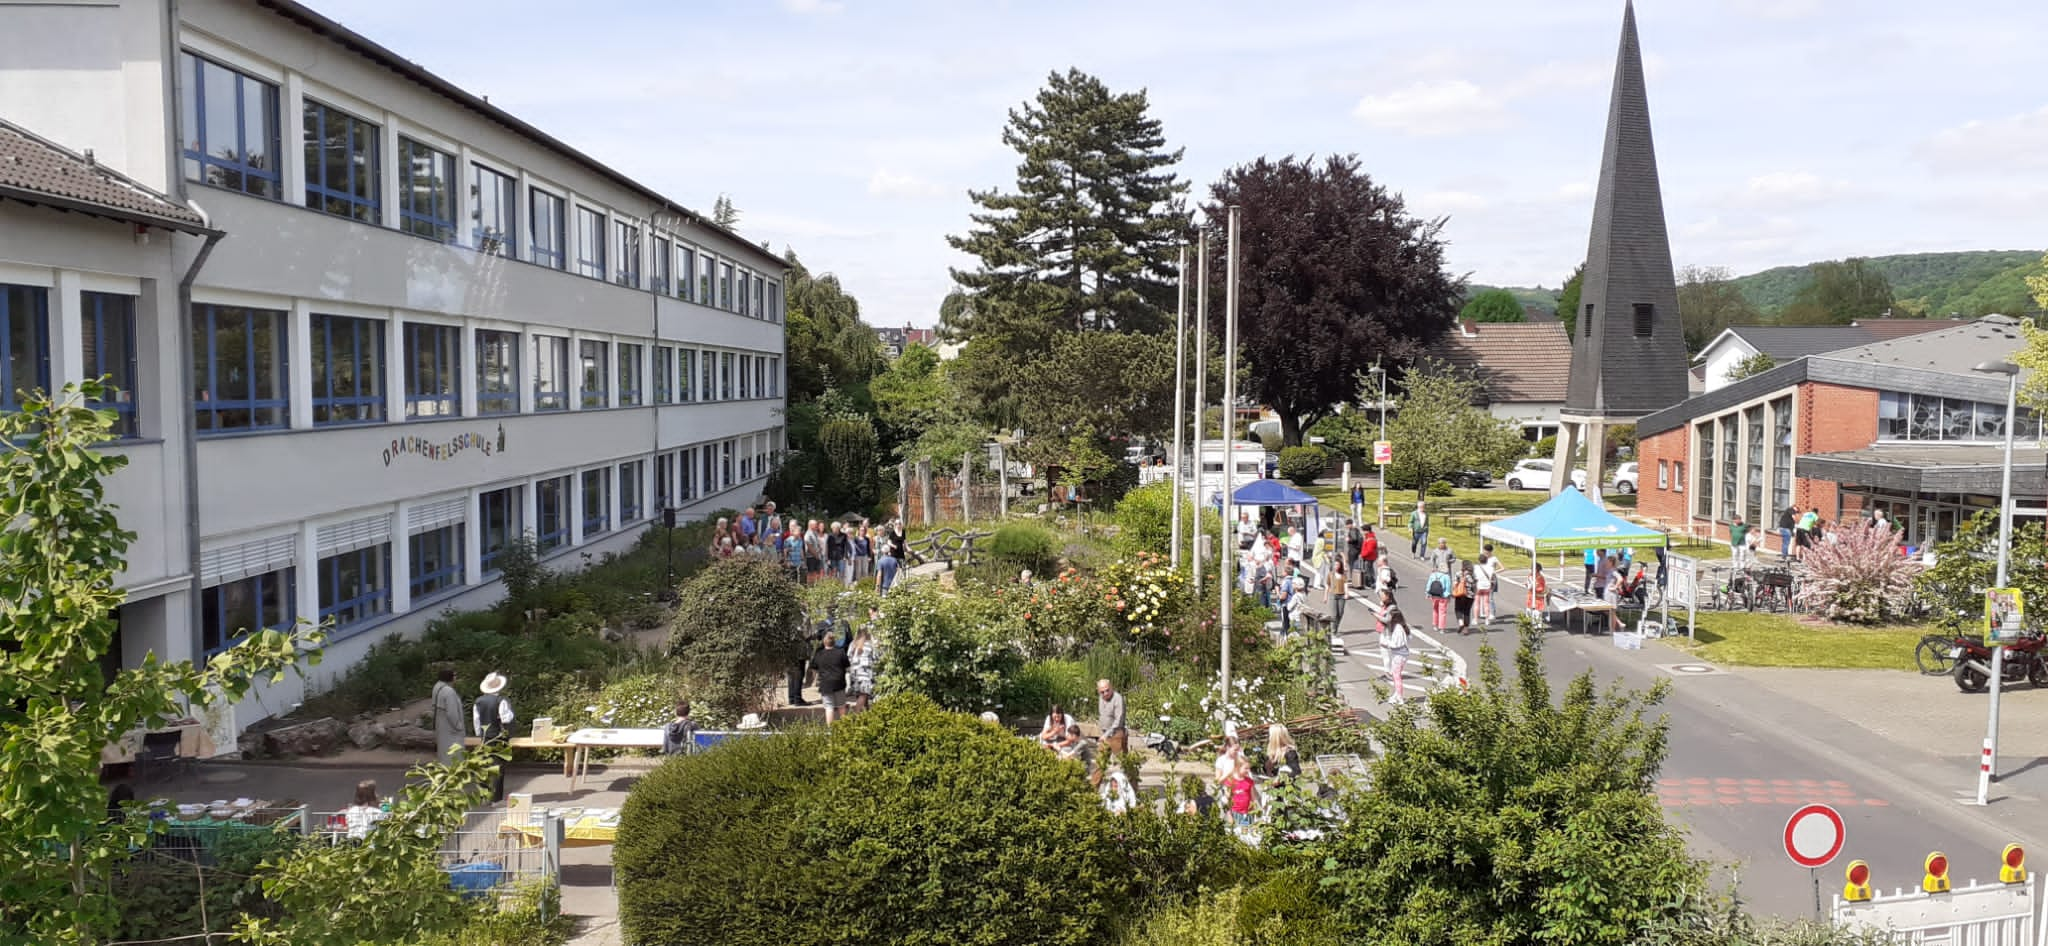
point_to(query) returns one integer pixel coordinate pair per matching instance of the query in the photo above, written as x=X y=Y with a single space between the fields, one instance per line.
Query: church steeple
x=1628 y=356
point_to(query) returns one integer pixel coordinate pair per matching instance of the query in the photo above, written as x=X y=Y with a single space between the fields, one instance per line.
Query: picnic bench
x=1469 y=517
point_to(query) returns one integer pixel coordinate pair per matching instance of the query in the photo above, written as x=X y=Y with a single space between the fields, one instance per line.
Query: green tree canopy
x=738 y=625
x=1568 y=301
x=1435 y=429
x=1708 y=303
x=1840 y=292
x=1753 y=365
x=1493 y=305
x=828 y=343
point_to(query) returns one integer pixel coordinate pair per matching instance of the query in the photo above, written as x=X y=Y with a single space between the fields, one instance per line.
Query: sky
x=1787 y=131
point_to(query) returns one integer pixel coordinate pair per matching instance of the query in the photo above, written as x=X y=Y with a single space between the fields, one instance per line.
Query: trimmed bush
x=1441 y=488
x=1860 y=577
x=738 y=626
x=960 y=651
x=1302 y=465
x=1020 y=545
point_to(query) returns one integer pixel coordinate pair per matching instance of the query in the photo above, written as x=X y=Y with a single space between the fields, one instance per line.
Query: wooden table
x=1572 y=599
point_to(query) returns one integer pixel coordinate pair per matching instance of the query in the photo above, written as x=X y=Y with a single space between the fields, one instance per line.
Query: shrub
x=1144 y=518
x=1967 y=564
x=1301 y=465
x=1021 y=545
x=1149 y=597
x=1858 y=575
x=958 y=650
x=1043 y=684
x=1440 y=488
x=739 y=624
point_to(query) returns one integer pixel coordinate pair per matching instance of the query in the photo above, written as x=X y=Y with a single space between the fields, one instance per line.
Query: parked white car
x=1625 y=478
x=1535 y=474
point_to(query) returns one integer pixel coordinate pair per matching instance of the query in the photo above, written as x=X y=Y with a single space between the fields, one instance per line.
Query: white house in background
x=429 y=327
x=1788 y=343
x=1523 y=365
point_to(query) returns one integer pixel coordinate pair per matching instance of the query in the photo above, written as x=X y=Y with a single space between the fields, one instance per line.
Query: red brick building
x=1904 y=425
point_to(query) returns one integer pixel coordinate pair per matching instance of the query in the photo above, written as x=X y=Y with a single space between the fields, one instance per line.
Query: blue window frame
x=707 y=267
x=593 y=386
x=774 y=312
x=597 y=502
x=686 y=370
x=664 y=374
x=435 y=561
x=230 y=129
x=686 y=475
x=686 y=274
x=433 y=370
x=493 y=212
x=725 y=392
x=760 y=297
x=590 y=241
x=725 y=286
x=348 y=370
x=550 y=228
x=746 y=280
x=664 y=259
x=664 y=480
x=632 y=491
x=550 y=373
x=629 y=253
x=551 y=507
x=709 y=376
x=355 y=586
x=426 y=191
x=108 y=333
x=746 y=377
x=230 y=611
x=498 y=514
x=497 y=372
x=343 y=164
x=24 y=343
x=239 y=369
x=631 y=391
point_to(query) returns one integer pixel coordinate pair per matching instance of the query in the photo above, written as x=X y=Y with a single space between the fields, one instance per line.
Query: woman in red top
x=1368 y=553
x=1239 y=785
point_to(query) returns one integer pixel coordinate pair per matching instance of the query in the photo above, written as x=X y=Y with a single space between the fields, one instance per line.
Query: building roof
x=1956 y=348
x=1931 y=468
x=1786 y=342
x=36 y=170
x=1519 y=362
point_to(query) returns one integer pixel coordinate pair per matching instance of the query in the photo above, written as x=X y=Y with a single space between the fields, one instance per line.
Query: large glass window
x=725 y=464
x=435 y=559
x=426 y=191
x=775 y=303
x=590 y=237
x=497 y=372
x=707 y=268
x=631 y=390
x=664 y=259
x=664 y=480
x=1753 y=456
x=433 y=370
x=107 y=332
x=593 y=386
x=686 y=274
x=725 y=286
x=342 y=164
x=348 y=370
x=355 y=586
x=597 y=501
x=551 y=505
x=1781 y=458
x=725 y=360
x=493 y=211
x=1703 y=490
x=761 y=298
x=686 y=474
x=550 y=229
x=629 y=253
x=24 y=343
x=230 y=611
x=664 y=374
x=709 y=484
x=498 y=519
x=746 y=376
x=238 y=368
x=1903 y=416
x=1730 y=462
x=231 y=129
x=687 y=363
x=746 y=297
x=550 y=373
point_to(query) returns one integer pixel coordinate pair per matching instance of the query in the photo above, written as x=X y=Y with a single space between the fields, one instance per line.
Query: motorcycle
x=2024 y=660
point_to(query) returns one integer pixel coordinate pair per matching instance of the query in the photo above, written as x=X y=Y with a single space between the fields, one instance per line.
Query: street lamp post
x=1229 y=552
x=1381 y=468
x=1987 y=770
x=1180 y=366
x=1201 y=393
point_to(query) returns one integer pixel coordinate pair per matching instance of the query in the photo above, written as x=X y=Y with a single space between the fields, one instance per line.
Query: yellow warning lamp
x=1936 y=880
x=1858 y=887
x=2012 y=867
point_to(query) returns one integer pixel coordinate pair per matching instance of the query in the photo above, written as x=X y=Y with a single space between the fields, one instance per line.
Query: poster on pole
x=1383 y=452
x=2004 y=609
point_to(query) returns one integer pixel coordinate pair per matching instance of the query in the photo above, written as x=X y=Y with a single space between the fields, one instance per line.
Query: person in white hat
x=492 y=717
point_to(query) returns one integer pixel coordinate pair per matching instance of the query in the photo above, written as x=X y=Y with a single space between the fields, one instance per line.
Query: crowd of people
x=814 y=551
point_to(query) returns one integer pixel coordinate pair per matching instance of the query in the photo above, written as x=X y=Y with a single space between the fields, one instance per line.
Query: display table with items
x=200 y=828
x=581 y=827
x=1567 y=600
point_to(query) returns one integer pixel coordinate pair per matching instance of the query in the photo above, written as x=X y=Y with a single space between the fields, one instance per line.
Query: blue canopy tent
x=1568 y=522
x=1275 y=493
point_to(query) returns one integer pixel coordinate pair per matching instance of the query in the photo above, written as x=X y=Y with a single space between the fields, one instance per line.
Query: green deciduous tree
x=1494 y=305
x=1436 y=430
x=739 y=625
x=1708 y=303
x=1335 y=273
x=1840 y=292
x=829 y=345
x=1752 y=365
x=59 y=555
x=1568 y=301
x=1965 y=565
x=1119 y=384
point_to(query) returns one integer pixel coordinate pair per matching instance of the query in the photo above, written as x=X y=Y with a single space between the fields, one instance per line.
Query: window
x=108 y=335
x=594 y=384
x=725 y=464
x=664 y=257
x=493 y=211
x=356 y=586
x=686 y=475
x=686 y=275
x=775 y=302
x=1585 y=324
x=24 y=343
x=550 y=229
x=1663 y=474
x=229 y=611
x=709 y=484
x=1703 y=492
x=342 y=164
x=664 y=481
x=629 y=253
x=238 y=368
x=630 y=384
x=745 y=278
x=432 y=376
x=1677 y=476
x=497 y=372
x=551 y=502
x=760 y=376
x=498 y=515
x=687 y=365
x=1781 y=457
x=725 y=286
x=761 y=299
x=1730 y=462
x=597 y=502
x=1753 y=455
x=426 y=191
x=590 y=237
x=705 y=293
x=775 y=378
x=746 y=363
x=550 y=373
x=632 y=491
x=231 y=129
x=1646 y=319
x=664 y=374
x=436 y=561
x=725 y=376
x=348 y=370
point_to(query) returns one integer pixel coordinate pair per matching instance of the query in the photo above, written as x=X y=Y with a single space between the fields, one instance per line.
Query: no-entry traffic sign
x=1813 y=836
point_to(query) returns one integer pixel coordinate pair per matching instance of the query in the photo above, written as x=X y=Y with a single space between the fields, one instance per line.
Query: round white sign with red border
x=1814 y=835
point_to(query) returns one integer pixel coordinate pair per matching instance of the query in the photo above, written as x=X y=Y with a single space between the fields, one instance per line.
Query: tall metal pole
x=1987 y=771
x=1201 y=395
x=1180 y=379
x=1382 y=511
x=1229 y=554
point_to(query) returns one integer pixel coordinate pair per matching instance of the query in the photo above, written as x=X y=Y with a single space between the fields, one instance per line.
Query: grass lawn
x=1782 y=640
x=1464 y=536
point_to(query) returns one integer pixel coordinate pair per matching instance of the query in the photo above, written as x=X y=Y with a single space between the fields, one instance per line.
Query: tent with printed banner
x=1569 y=522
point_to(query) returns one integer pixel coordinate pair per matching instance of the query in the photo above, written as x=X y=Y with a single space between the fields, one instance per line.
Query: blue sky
x=1787 y=130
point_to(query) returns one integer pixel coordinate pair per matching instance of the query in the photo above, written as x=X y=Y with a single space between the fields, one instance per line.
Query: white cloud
x=1794 y=188
x=813 y=6
x=1778 y=9
x=2011 y=142
x=887 y=183
x=1441 y=107
x=1433 y=203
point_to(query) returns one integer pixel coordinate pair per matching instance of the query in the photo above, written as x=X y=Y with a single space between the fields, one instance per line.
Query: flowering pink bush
x=1858 y=575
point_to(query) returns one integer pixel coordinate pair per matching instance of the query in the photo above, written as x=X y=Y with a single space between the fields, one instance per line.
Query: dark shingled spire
x=1629 y=356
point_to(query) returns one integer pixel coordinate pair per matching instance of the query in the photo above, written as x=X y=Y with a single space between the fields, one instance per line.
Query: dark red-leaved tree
x=1333 y=273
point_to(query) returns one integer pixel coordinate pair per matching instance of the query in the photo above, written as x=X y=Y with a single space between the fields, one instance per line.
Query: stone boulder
x=409 y=736
x=366 y=733
x=318 y=737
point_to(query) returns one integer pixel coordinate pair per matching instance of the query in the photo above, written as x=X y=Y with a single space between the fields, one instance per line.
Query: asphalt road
x=1742 y=758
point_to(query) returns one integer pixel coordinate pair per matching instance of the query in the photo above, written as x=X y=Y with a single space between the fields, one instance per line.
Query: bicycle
x=1935 y=654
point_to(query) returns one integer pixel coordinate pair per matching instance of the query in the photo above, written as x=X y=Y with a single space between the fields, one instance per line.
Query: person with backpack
x=1439 y=591
x=1384 y=580
x=1462 y=592
x=679 y=737
x=1368 y=557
